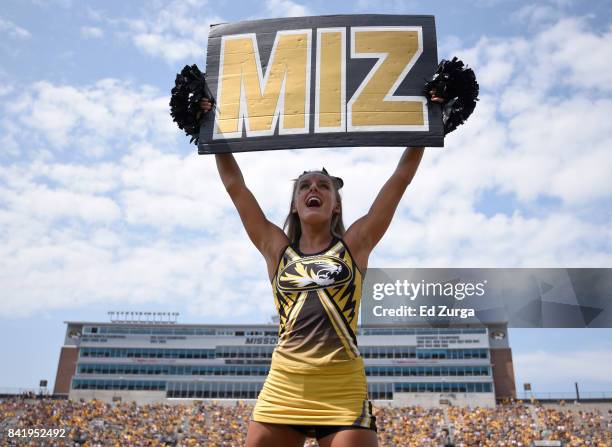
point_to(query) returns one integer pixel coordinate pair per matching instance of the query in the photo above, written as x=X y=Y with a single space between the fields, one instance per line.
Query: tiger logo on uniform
x=317 y=298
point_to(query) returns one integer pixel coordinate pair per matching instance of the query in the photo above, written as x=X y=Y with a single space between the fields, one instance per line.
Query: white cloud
x=88 y=121
x=528 y=132
x=575 y=51
x=67 y=269
x=175 y=32
x=5 y=88
x=14 y=31
x=51 y=4
x=178 y=31
x=92 y=32
x=453 y=238
x=169 y=191
x=560 y=55
x=170 y=49
x=151 y=224
x=52 y=204
x=286 y=8
x=397 y=6
x=99 y=179
x=537 y=14
x=167 y=212
x=448 y=45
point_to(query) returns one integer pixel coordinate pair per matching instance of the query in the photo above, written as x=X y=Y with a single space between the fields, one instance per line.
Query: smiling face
x=315 y=199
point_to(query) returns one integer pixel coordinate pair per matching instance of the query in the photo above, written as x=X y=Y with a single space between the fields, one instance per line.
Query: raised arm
x=363 y=235
x=267 y=237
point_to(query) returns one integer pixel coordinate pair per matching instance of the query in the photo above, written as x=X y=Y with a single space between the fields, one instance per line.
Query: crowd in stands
x=99 y=424
x=520 y=425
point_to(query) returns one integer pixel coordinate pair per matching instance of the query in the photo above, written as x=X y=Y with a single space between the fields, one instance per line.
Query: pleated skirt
x=326 y=395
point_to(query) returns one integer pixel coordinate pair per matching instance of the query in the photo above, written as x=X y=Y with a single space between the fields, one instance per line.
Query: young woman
x=316 y=385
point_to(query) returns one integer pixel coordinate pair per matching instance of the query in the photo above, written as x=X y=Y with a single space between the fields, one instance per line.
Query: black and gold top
x=317 y=297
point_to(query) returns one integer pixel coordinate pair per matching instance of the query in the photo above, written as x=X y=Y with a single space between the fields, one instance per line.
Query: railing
x=28 y=393
x=6 y=390
x=584 y=395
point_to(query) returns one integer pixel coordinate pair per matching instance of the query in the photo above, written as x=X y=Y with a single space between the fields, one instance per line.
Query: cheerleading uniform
x=317 y=375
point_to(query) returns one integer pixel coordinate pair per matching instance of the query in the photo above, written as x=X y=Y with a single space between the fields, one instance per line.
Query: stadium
x=144 y=379
x=154 y=361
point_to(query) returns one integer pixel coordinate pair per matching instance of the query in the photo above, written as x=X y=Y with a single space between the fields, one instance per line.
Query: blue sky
x=104 y=205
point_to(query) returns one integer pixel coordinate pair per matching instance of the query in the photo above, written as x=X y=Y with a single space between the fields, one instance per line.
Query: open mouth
x=313 y=202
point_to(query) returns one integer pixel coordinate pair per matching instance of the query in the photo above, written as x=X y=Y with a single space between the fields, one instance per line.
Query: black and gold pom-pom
x=189 y=90
x=457 y=85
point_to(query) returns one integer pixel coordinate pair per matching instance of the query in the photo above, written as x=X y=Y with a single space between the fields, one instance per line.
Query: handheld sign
x=330 y=81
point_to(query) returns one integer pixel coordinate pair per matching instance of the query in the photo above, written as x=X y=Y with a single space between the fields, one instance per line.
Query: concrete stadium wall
x=140 y=397
x=432 y=400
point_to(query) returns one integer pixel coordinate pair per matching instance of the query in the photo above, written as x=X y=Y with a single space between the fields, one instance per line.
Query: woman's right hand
x=435 y=98
x=205 y=105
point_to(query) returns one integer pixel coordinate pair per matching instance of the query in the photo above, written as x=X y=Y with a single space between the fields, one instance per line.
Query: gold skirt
x=328 y=395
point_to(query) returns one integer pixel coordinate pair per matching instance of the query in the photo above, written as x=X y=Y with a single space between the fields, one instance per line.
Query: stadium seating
x=98 y=424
